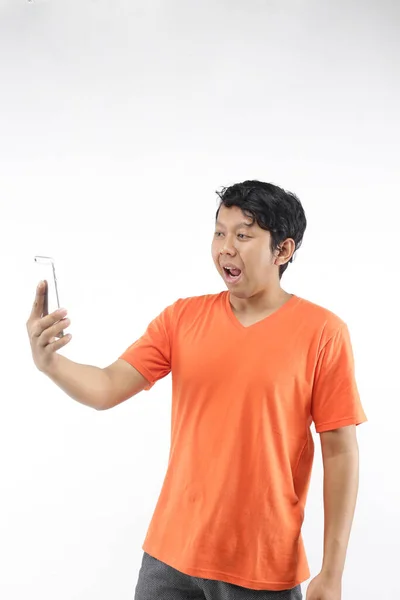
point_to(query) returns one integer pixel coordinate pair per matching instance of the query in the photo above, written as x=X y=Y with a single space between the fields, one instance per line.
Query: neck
x=262 y=302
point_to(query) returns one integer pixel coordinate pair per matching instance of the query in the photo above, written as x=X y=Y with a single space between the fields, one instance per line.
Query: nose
x=227 y=250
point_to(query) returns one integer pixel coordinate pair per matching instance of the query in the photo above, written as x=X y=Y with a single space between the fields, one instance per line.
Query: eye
x=243 y=235
x=217 y=233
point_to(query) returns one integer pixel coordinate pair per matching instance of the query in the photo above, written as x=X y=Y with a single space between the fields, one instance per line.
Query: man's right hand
x=43 y=331
x=93 y=386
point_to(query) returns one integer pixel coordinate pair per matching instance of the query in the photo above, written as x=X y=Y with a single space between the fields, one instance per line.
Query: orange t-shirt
x=232 y=503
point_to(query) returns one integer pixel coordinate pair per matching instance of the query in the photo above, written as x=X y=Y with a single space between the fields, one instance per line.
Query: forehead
x=234 y=217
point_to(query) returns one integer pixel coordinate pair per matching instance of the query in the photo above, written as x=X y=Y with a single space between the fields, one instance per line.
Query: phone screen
x=46 y=272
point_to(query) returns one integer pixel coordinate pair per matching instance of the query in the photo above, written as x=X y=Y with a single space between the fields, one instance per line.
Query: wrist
x=50 y=369
x=331 y=574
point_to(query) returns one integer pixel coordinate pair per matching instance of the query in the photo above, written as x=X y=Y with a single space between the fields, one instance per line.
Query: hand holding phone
x=46 y=331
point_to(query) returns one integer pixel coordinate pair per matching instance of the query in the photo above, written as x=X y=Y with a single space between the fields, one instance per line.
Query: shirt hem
x=228 y=577
x=340 y=423
x=139 y=367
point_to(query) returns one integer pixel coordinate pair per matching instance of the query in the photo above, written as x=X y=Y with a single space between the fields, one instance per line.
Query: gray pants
x=158 y=581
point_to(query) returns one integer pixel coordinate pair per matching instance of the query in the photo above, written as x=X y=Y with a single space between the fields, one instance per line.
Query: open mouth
x=232 y=275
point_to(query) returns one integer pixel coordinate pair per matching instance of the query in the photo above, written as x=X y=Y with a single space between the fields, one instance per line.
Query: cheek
x=214 y=252
x=260 y=264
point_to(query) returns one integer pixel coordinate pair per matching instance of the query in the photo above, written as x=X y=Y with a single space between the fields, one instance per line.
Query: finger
x=59 y=343
x=53 y=332
x=47 y=322
x=38 y=303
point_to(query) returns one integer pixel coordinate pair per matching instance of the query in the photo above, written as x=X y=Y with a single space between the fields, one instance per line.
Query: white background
x=118 y=122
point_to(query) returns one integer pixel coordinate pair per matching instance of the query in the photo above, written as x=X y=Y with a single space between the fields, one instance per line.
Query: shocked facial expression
x=241 y=251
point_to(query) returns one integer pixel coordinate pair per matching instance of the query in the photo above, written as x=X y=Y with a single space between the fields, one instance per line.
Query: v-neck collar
x=233 y=318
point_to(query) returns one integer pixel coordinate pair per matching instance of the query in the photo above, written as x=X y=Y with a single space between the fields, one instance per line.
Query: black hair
x=274 y=209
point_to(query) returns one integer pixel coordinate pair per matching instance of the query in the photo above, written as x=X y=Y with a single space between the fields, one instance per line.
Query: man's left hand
x=323 y=587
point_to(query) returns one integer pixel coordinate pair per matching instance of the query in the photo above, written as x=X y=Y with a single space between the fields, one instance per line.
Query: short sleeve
x=335 y=398
x=151 y=353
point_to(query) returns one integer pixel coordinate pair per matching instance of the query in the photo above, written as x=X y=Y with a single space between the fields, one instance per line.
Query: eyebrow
x=242 y=224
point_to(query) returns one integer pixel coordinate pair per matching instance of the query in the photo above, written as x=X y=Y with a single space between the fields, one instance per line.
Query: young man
x=252 y=368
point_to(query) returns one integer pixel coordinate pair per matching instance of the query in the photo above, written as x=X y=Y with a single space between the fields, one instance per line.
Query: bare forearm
x=341 y=477
x=84 y=383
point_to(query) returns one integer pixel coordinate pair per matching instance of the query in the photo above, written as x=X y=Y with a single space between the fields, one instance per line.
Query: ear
x=284 y=252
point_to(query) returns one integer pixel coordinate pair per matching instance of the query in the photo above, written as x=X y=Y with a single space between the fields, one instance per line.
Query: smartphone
x=47 y=273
